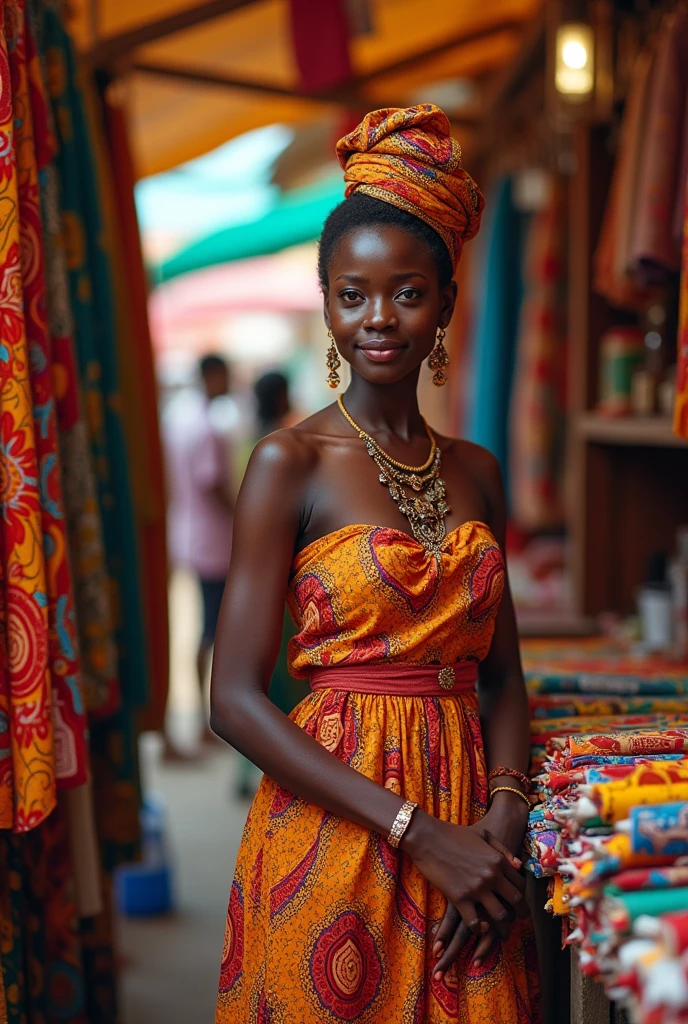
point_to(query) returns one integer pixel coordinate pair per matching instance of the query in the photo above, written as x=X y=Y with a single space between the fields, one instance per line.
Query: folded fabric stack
x=610 y=769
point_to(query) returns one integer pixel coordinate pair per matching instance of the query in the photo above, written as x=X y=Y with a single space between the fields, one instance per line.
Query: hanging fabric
x=681 y=402
x=538 y=404
x=494 y=347
x=613 y=276
x=656 y=239
x=320 y=37
x=28 y=764
x=138 y=386
x=94 y=318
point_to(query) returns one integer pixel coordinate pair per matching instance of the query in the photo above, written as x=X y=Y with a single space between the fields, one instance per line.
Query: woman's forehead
x=387 y=248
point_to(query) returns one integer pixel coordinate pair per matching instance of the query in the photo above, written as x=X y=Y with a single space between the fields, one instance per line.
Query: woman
x=371 y=826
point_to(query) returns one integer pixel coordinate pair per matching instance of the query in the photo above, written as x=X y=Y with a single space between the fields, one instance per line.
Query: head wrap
x=407 y=157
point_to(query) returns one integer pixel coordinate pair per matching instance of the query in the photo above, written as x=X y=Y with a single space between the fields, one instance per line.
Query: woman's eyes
x=351 y=295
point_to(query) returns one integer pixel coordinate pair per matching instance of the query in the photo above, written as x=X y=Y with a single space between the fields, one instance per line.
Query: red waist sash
x=401 y=680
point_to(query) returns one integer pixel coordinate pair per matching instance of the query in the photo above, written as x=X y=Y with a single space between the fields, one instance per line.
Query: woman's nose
x=381 y=316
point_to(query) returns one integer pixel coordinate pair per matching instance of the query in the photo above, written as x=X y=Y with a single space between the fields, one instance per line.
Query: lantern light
x=575 y=61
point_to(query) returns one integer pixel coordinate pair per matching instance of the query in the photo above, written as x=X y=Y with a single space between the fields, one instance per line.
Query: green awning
x=296 y=218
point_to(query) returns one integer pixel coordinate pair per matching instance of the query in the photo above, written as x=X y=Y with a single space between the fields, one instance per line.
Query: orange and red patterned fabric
x=399 y=603
x=326 y=921
x=407 y=157
x=42 y=717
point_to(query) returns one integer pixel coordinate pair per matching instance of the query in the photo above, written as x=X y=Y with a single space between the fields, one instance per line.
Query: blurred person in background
x=273 y=406
x=200 y=499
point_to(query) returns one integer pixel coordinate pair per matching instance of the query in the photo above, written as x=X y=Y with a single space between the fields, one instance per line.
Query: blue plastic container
x=145 y=889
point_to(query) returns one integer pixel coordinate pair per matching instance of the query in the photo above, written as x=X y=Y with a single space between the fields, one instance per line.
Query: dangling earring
x=333 y=363
x=438 y=359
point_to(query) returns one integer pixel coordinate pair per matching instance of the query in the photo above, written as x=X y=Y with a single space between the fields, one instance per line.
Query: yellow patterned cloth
x=407 y=157
x=327 y=922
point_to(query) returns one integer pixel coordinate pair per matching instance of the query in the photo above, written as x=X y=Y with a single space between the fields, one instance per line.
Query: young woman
x=373 y=824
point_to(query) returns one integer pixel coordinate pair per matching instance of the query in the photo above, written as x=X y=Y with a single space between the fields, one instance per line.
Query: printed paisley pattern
x=327 y=923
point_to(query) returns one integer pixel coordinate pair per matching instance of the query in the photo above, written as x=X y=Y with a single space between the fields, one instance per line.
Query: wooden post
x=589 y=1004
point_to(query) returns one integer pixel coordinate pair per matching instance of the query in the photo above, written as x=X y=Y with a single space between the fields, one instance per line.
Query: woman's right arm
x=268 y=516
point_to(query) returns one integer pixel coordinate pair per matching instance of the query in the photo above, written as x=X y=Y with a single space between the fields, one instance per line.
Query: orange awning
x=199 y=74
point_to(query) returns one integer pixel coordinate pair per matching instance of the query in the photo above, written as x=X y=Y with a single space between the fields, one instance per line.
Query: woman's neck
x=390 y=409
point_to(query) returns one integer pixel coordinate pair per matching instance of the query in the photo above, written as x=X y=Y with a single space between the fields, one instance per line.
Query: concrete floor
x=171 y=964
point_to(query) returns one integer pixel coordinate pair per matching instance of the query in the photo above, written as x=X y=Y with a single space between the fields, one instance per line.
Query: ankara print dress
x=327 y=922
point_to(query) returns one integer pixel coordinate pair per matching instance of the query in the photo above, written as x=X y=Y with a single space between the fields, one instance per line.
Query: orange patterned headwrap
x=407 y=157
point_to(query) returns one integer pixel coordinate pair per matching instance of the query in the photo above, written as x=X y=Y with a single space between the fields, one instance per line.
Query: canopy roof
x=201 y=73
x=298 y=217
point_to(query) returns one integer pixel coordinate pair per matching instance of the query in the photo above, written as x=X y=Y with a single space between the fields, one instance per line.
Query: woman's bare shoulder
x=478 y=462
x=292 y=453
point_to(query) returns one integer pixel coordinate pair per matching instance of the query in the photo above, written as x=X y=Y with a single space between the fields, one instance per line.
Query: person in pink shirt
x=201 y=505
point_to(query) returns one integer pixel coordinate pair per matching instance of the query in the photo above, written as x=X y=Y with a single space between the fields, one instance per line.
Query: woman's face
x=383 y=302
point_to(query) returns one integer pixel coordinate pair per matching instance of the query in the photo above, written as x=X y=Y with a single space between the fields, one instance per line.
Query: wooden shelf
x=538 y=623
x=639 y=431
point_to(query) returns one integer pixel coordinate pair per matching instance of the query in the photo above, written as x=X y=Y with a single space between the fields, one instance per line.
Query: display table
x=609 y=736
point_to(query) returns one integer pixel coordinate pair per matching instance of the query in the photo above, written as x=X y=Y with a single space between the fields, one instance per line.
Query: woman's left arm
x=503 y=702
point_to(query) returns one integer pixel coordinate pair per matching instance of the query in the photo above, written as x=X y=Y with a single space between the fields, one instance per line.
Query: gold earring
x=333 y=363
x=438 y=359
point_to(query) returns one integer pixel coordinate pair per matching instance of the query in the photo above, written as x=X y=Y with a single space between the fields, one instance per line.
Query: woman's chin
x=390 y=372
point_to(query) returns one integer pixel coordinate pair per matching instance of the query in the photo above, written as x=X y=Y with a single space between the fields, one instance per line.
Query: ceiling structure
x=200 y=73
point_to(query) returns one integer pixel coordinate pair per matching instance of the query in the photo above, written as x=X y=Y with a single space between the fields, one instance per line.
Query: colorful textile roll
x=651 y=878
x=543 y=728
x=674 y=931
x=664 y=741
x=615 y=803
x=661 y=829
x=560 y=705
x=614 y=759
x=631 y=905
x=645 y=774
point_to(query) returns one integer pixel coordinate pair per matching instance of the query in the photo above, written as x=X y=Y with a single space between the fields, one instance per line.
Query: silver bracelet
x=401 y=823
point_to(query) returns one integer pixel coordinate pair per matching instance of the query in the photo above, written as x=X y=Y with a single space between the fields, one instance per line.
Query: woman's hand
x=506 y=820
x=471 y=868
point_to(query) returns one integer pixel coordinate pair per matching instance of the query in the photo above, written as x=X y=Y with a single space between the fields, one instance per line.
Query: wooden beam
x=200 y=76
x=112 y=48
x=512 y=77
x=342 y=96
x=348 y=93
x=452 y=43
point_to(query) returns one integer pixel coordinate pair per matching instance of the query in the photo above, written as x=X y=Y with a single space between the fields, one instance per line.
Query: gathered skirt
x=327 y=922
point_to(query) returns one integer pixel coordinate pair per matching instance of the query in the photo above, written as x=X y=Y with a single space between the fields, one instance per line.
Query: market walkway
x=171 y=964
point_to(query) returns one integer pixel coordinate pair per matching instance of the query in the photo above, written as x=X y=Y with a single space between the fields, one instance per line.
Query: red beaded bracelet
x=501 y=771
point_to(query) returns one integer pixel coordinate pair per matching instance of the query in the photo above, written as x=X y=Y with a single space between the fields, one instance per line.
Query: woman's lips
x=381 y=353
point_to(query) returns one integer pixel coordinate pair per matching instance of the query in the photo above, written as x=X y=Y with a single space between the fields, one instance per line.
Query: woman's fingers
x=514 y=876
x=484 y=946
x=498 y=913
x=469 y=915
x=446 y=929
x=512 y=896
x=461 y=936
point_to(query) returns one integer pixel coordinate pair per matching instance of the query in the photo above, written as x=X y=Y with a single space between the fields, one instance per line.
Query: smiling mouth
x=382 y=351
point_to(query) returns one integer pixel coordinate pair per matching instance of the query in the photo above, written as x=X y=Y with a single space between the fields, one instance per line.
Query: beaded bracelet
x=501 y=771
x=510 y=789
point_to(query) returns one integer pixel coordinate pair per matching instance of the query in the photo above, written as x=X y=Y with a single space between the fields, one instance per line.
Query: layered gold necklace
x=417 y=490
